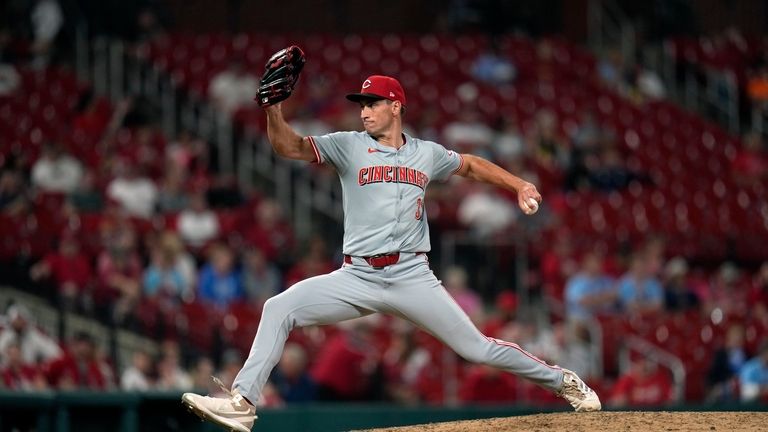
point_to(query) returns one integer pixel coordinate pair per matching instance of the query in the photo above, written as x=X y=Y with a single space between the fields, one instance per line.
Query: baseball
x=533 y=206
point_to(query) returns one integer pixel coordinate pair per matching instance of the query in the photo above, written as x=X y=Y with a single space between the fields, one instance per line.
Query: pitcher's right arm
x=286 y=142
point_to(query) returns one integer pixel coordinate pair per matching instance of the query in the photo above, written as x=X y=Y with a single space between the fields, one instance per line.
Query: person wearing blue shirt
x=753 y=376
x=219 y=282
x=589 y=291
x=639 y=289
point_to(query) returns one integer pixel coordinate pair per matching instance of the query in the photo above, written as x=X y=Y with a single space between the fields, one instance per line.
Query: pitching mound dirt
x=604 y=422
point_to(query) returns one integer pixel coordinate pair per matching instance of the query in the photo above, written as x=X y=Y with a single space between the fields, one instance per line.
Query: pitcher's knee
x=275 y=309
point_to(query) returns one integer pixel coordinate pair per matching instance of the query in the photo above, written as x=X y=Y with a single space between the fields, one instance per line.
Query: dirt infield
x=604 y=422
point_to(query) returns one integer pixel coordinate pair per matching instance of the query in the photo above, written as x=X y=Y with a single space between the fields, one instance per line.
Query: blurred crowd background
x=645 y=271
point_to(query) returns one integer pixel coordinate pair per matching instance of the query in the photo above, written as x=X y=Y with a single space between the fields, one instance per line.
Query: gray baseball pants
x=408 y=289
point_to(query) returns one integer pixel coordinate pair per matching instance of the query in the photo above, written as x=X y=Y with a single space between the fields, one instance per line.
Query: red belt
x=379 y=261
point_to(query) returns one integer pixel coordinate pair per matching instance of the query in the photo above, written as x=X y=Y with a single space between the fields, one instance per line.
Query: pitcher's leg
x=325 y=299
x=419 y=296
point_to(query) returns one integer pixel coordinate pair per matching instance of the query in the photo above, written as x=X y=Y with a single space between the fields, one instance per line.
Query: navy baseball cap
x=379 y=87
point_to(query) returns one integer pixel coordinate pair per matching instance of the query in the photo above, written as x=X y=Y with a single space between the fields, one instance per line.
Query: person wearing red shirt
x=504 y=315
x=269 y=232
x=750 y=164
x=645 y=385
x=81 y=367
x=487 y=385
x=316 y=262
x=119 y=272
x=17 y=375
x=344 y=367
x=69 y=269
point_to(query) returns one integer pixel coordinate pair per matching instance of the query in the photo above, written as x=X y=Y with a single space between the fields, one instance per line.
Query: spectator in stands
x=261 y=278
x=172 y=197
x=507 y=143
x=233 y=87
x=455 y=282
x=201 y=375
x=750 y=164
x=315 y=262
x=136 y=193
x=12 y=189
x=351 y=351
x=575 y=342
x=18 y=375
x=727 y=361
x=163 y=281
x=505 y=312
x=138 y=376
x=550 y=150
x=485 y=212
x=70 y=271
x=119 y=270
x=644 y=385
x=546 y=65
x=488 y=385
x=610 y=70
x=9 y=78
x=93 y=116
x=291 y=378
x=81 y=368
x=188 y=152
x=587 y=139
x=639 y=289
x=198 y=225
x=758 y=294
x=610 y=173
x=36 y=347
x=726 y=292
x=402 y=362
x=270 y=232
x=590 y=291
x=47 y=20
x=753 y=376
x=219 y=283
x=679 y=296
x=306 y=123
x=170 y=375
x=56 y=171
x=644 y=85
x=493 y=68
x=183 y=262
x=86 y=197
x=468 y=133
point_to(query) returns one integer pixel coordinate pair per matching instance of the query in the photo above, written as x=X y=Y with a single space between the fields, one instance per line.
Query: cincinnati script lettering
x=392 y=174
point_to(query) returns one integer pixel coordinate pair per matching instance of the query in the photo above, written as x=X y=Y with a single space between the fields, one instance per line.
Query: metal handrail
x=659 y=356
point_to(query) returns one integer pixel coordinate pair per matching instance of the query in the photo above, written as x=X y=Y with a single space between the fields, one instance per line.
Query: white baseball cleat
x=232 y=412
x=578 y=394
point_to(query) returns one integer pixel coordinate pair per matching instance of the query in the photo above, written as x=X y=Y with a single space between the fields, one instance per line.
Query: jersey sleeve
x=331 y=149
x=445 y=162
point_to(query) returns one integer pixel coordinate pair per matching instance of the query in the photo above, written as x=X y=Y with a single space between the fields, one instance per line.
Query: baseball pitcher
x=384 y=174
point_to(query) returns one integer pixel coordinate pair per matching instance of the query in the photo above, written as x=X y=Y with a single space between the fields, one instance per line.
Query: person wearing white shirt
x=35 y=345
x=198 y=225
x=135 y=193
x=233 y=88
x=56 y=171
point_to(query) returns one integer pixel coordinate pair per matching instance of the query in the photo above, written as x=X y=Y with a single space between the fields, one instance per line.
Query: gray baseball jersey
x=383 y=192
x=383 y=189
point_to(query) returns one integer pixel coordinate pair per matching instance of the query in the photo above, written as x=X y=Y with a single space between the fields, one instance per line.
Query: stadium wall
x=150 y=412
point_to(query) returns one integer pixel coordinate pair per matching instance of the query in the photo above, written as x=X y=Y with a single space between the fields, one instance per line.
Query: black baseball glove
x=281 y=74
